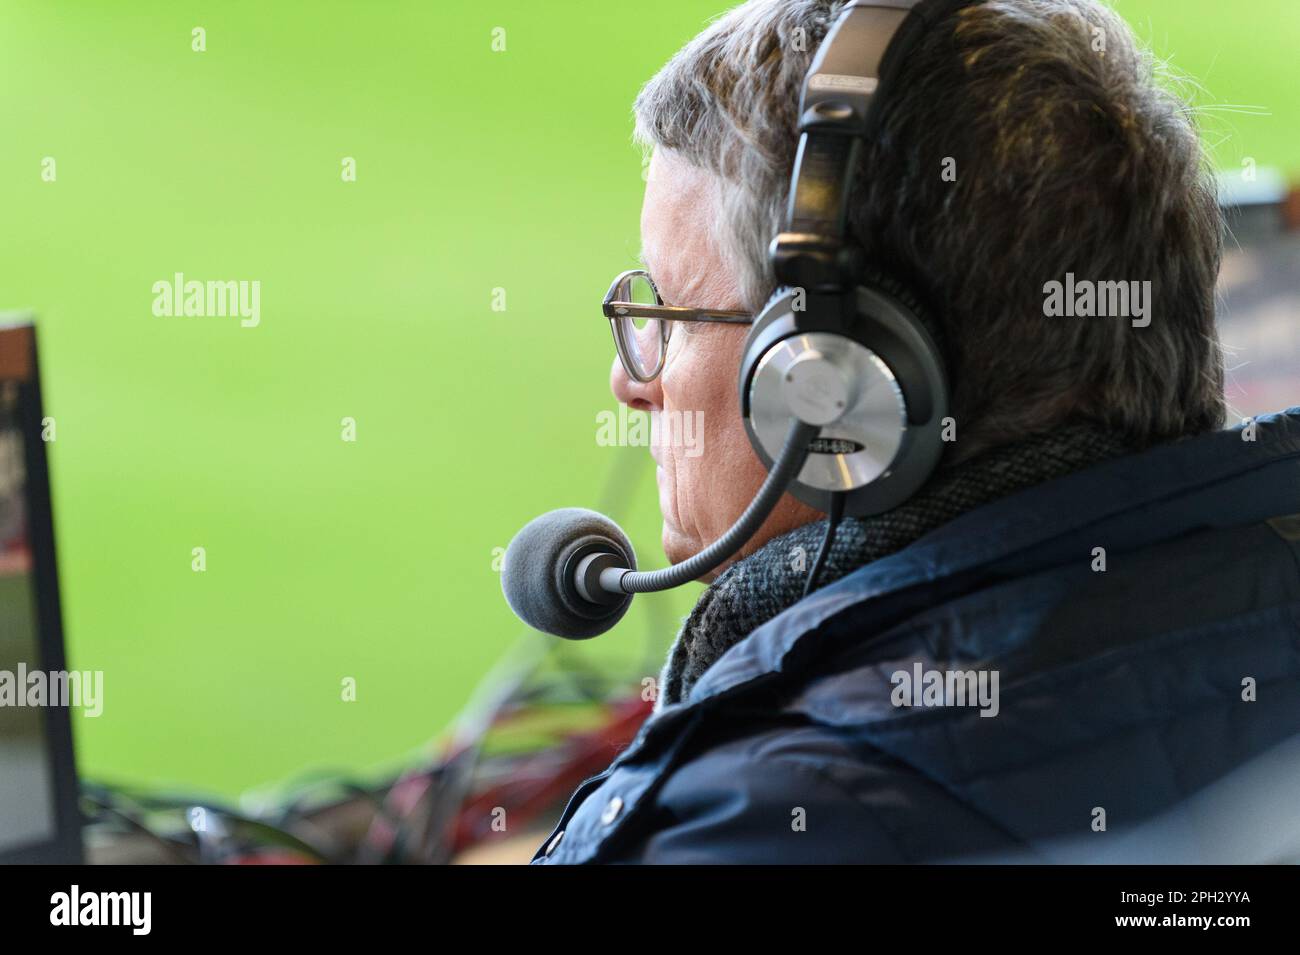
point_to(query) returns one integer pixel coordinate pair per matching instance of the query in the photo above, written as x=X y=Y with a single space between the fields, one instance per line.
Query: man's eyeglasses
x=642 y=323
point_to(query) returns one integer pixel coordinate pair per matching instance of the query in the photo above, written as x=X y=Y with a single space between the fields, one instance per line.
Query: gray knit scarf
x=754 y=590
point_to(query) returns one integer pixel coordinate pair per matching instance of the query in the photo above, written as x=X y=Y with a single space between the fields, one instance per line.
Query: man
x=1090 y=612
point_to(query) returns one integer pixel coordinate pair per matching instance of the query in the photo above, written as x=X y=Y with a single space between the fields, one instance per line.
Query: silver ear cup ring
x=833 y=381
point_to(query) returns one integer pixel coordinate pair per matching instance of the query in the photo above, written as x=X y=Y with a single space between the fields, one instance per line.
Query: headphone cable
x=832 y=522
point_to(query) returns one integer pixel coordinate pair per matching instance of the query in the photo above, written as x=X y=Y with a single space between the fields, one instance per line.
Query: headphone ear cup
x=871 y=276
x=761 y=328
x=891 y=342
x=875 y=277
x=764 y=318
x=778 y=292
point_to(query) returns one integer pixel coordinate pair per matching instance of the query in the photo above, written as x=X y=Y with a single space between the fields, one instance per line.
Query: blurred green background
x=476 y=170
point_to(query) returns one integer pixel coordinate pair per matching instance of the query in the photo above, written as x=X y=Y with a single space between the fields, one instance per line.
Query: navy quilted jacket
x=1142 y=620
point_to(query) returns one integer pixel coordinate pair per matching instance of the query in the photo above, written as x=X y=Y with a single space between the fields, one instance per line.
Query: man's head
x=1022 y=142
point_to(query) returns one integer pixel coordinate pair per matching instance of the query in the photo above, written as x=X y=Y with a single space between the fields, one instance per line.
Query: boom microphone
x=572 y=572
x=539 y=574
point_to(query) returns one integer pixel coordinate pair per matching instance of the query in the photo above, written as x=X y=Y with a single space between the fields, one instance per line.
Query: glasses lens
x=642 y=339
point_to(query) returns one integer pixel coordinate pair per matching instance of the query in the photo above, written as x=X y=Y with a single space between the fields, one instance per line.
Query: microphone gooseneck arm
x=620 y=580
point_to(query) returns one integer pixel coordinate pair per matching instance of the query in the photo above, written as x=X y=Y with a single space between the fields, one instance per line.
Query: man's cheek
x=693 y=434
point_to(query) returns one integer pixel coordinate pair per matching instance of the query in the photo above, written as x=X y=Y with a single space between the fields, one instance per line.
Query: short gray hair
x=1073 y=154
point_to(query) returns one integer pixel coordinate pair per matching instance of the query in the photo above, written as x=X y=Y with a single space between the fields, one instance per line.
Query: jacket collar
x=1218 y=479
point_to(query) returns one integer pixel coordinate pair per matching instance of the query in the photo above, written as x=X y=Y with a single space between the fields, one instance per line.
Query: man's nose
x=639 y=396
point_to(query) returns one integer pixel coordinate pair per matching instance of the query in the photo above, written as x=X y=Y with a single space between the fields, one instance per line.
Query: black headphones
x=841 y=343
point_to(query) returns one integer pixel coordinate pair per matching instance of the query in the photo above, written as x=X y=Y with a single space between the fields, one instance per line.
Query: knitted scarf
x=754 y=590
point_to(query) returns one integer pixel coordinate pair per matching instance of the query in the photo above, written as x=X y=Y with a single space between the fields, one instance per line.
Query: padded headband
x=838 y=110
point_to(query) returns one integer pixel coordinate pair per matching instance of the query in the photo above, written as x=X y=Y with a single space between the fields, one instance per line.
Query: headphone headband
x=837 y=342
x=838 y=111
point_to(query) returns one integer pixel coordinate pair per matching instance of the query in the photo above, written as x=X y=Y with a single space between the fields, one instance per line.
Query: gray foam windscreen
x=532 y=575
